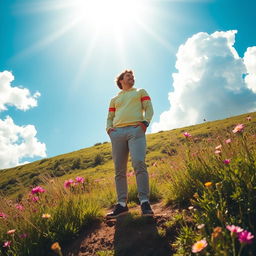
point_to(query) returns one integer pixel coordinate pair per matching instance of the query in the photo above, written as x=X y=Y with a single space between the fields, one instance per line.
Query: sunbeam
x=41 y=43
x=41 y=6
x=115 y=26
x=86 y=56
x=156 y=36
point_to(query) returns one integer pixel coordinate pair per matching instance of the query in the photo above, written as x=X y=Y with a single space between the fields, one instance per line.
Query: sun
x=109 y=15
x=96 y=28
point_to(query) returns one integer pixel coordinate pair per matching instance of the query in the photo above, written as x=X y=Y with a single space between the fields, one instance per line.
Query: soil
x=128 y=235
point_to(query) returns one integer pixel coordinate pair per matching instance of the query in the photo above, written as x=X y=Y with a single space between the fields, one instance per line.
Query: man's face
x=128 y=79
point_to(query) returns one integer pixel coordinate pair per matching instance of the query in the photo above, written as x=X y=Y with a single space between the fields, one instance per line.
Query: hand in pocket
x=143 y=127
x=110 y=130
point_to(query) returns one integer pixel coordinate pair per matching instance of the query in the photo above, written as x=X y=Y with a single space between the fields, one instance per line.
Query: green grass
x=221 y=187
x=106 y=253
x=40 y=219
x=85 y=162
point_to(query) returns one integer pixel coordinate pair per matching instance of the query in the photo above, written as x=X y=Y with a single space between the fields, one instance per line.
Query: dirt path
x=129 y=235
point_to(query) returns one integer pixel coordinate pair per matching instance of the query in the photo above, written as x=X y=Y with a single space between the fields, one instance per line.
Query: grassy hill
x=96 y=162
x=202 y=185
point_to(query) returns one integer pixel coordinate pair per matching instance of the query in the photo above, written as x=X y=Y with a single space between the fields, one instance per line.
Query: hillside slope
x=96 y=162
x=202 y=183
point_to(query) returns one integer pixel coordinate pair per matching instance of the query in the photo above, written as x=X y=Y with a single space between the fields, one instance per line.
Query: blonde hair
x=121 y=77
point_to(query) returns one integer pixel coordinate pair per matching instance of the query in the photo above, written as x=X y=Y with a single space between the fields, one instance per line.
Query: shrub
x=12 y=181
x=98 y=160
x=43 y=160
x=76 y=164
x=33 y=174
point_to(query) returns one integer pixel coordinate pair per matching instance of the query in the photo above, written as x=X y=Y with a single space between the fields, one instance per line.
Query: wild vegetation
x=206 y=171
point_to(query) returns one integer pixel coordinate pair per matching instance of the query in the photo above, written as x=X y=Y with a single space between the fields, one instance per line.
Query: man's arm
x=146 y=106
x=111 y=115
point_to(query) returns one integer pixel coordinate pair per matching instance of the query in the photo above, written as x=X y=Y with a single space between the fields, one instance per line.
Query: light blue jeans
x=124 y=140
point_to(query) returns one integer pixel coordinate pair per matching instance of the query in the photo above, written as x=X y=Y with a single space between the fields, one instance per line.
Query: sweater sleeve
x=147 y=106
x=111 y=114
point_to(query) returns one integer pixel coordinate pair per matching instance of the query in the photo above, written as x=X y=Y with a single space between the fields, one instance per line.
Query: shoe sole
x=115 y=216
x=148 y=214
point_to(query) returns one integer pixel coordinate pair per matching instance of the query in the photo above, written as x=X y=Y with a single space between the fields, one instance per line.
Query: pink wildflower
x=7 y=244
x=11 y=232
x=24 y=235
x=199 y=246
x=187 y=135
x=155 y=164
x=37 y=190
x=217 y=152
x=152 y=174
x=238 y=128
x=245 y=237
x=227 y=161
x=68 y=183
x=228 y=141
x=3 y=215
x=129 y=174
x=218 y=147
x=79 y=179
x=35 y=198
x=19 y=207
x=234 y=229
x=200 y=226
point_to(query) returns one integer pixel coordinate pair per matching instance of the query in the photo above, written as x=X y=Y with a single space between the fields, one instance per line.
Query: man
x=130 y=113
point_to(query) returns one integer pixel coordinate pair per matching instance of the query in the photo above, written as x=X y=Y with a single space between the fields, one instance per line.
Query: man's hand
x=110 y=130
x=143 y=126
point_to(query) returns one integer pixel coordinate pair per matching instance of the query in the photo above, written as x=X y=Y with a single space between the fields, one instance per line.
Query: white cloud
x=15 y=96
x=17 y=142
x=210 y=81
x=250 y=63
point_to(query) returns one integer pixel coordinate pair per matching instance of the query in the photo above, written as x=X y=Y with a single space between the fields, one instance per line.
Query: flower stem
x=233 y=246
x=241 y=248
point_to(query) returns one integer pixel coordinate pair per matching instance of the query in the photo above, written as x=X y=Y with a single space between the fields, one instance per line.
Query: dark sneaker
x=146 y=209
x=118 y=211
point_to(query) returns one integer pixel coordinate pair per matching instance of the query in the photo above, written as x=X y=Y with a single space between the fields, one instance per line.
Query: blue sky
x=73 y=67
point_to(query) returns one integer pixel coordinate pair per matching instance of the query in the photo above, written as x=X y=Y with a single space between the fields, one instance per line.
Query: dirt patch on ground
x=129 y=235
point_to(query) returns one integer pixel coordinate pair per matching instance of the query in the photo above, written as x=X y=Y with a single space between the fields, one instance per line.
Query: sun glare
x=98 y=27
x=109 y=15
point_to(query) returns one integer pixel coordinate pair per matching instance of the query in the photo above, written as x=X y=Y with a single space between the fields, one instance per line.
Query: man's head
x=125 y=78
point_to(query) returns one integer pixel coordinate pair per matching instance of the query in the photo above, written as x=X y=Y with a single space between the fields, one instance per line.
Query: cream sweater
x=129 y=108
